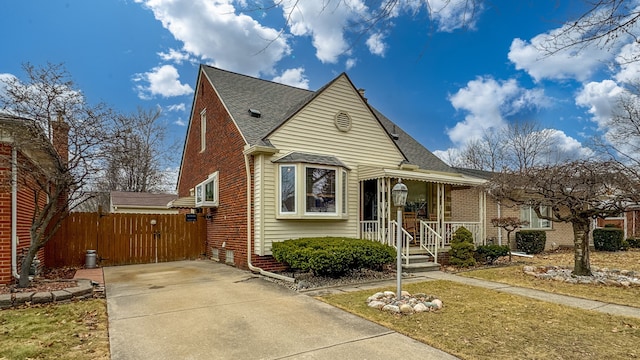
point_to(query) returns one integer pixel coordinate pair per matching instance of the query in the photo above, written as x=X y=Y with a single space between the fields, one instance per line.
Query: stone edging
x=83 y=290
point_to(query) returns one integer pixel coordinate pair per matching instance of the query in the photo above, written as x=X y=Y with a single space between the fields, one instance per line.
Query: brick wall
x=226 y=225
x=25 y=208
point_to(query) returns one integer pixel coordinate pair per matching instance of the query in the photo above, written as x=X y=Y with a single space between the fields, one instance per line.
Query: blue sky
x=443 y=80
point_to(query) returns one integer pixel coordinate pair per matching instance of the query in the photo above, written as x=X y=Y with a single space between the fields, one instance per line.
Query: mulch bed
x=48 y=280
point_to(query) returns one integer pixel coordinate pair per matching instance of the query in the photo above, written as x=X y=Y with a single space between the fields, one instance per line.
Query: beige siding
x=312 y=130
x=258 y=203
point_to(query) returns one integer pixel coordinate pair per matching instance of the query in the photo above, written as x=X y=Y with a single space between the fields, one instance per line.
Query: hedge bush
x=490 y=253
x=333 y=256
x=608 y=239
x=531 y=241
x=462 y=248
x=634 y=242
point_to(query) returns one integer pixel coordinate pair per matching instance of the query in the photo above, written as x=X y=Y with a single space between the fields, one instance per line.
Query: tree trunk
x=26 y=266
x=582 y=265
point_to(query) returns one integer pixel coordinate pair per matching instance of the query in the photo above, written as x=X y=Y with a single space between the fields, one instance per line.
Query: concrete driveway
x=207 y=310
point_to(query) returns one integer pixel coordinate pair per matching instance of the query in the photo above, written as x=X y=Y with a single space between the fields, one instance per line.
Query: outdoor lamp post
x=399 y=194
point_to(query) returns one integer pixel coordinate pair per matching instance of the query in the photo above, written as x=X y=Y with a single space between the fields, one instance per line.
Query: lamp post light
x=399 y=194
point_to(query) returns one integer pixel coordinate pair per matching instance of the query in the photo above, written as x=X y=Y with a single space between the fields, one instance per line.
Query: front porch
x=437 y=206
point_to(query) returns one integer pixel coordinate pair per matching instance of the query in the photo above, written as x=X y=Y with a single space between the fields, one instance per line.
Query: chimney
x=60 y=139
x=361 y=91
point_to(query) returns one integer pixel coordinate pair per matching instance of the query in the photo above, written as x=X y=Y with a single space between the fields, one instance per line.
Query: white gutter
x=249 y=250
x=499 y=229
x=14 y=212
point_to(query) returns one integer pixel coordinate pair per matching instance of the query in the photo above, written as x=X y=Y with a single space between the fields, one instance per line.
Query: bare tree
x=136 y=153
x=527 y=144
x=604 y=24
x=576 y=192
x=65 y=132
x=509 y=224
x=518 y=146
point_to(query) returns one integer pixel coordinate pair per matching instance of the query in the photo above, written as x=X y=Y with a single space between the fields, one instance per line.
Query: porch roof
x=367 y=172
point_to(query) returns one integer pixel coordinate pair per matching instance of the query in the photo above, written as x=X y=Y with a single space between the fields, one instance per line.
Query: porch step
x=419 y=261
x=420 y=267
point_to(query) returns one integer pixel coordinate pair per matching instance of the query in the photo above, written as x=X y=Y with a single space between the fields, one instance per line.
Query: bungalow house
x=19 y=145
x=266 y=162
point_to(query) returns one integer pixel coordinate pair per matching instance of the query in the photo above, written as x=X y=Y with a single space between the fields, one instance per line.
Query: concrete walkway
x=207 y=310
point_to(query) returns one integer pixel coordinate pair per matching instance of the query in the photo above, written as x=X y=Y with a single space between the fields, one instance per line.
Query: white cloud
x=627 y=59
x=568 y=148
x=175 y=56
x=565 y=64
x=350 y=63
x=177 y=107
x=213 y=32
x=454 y=14
x=293 y=77
x=376 y=44
x=488 y=102
x=162 y=80
x=324 y=22
x=600 y=98
x=180 y=122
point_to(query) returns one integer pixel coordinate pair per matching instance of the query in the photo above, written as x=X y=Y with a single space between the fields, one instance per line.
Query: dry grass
x=75 y=330
x=478 y=323
x=513 y=275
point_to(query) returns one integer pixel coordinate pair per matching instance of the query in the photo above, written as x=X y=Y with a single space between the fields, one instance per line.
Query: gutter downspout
x=251 y=267
x=14 y=215
x=499 y=229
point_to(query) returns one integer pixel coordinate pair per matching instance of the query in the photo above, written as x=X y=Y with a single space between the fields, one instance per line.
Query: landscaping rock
x=603 y=276
x=22 y=298
x=61 y=295
x=5 y=301
x=41 y=297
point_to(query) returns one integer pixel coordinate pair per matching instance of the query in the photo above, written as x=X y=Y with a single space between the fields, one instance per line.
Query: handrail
x=430 y=241
x=406 y=239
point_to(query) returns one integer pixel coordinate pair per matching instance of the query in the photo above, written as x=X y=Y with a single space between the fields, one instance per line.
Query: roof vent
x=255 y=113
x=343 y=121
x=394 y=134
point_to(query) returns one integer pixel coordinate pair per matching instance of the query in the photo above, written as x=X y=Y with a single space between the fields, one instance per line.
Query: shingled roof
x=277 y=102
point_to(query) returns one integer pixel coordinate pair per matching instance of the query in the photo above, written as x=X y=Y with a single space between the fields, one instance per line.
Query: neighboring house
x=558 y=234
x=629 y=222
x=140 y=203
x=17 y=200
x=266 y=162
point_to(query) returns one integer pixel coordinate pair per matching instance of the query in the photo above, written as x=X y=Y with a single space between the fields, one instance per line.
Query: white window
x=288 y=194
x=207 y=192
x=203 y=130
x=323 y=191
x=320 y=184
x=528 y=214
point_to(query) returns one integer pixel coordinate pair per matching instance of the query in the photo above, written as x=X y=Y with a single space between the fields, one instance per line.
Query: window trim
x=300 y=188
x=200 y=192
x=533 y=214
x=203 y=129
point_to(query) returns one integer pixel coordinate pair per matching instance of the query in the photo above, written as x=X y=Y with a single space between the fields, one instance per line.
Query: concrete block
x=61 y=295
x=22 y=298
x=41 y=297
x=5 y=301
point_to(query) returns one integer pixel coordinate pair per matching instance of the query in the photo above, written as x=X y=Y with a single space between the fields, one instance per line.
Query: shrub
x=634 y=243
x=461 y=253
x=531 y=241
x=608 y=239
x=490 y=253
x=332 y=256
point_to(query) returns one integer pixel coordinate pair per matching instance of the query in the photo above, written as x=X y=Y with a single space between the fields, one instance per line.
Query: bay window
x=207 y=192
x=323 y=190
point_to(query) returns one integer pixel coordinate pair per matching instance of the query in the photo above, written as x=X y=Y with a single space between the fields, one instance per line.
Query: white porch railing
x=431 y=238
x=406 y=240
x=450 y=227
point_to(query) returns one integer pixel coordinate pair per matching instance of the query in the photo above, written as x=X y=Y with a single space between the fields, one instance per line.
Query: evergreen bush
x=490 y=253
x=462 y=248
x=608 y=239
x=333 y=256
x=531 y=241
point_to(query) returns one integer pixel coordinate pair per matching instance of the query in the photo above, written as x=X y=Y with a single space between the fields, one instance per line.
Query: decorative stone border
x=83 y=290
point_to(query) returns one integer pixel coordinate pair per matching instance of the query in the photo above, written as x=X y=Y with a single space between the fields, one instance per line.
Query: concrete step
x=421 y=267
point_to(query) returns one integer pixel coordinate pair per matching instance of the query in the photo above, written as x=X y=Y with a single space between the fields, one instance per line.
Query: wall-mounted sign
x=191 y=217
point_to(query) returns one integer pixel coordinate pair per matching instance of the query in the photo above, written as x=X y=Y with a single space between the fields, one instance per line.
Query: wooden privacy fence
x=121 y=239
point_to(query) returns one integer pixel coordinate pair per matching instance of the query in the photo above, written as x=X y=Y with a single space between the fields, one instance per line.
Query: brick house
x=16 y=198
x=266 y=162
